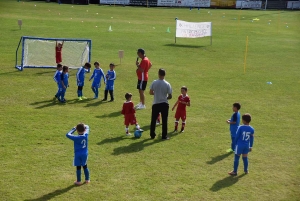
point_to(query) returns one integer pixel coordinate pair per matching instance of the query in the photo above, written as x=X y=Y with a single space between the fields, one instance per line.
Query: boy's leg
x=236 y=163
x=79 y=92
x=176 y=125
x=245 y=160
x=93 y=89
x=62 y=95
x=111 y=93
x=232 y=143
x=96 y=92
x=182 y=126
x=105 y=93
x=57 y=93
x=78 y=174
x=127 y=130
x=86 y=173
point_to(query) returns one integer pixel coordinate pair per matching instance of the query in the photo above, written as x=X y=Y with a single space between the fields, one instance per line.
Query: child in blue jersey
x=97 y=75
x=80 y=151
x=80 y=79
x=56 y=78
x=234 y=124
x=244 y=142
x=64 y=84
x=110 y=81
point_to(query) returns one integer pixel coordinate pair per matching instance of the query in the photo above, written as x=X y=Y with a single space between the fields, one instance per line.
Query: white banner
x=293 y=4
x=117 y=2
x=184 y=3
x=248 y=4
x=193 y=29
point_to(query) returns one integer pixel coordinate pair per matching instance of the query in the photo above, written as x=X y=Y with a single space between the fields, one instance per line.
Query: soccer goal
x=35 y=52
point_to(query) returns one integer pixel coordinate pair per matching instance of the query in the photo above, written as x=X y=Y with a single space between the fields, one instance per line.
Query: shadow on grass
x=218 y=158
x=226 y=182
x=112 y=140
x=113 y=114
x=96 y=103
x=76 y=101
x=186 y=46
x=53 y=194
x=46 y=103
x=140 y=144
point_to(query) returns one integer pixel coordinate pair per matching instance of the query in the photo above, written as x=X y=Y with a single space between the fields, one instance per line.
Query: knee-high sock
x=87 y=173
x=78 y=174
x=105 y=94
x=236 y=162
x=93 y=89
x=96 y=91
x=111 y=92
x=176 y=125
x=232 y=143
x=79 y=93
x=245 y=160
x=183 y=125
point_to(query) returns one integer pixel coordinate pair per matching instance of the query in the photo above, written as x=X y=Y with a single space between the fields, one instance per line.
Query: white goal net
x=41 y=52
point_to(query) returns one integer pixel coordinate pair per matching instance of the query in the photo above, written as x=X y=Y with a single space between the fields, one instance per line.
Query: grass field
x=36 y=157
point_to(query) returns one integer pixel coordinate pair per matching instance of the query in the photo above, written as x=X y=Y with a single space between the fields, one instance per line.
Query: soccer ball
x=138 y=133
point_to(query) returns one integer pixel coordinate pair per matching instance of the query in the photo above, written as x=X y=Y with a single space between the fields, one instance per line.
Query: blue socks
x=79 y=93
x=78 y=174
x=86 y=174
x=245 y=160
x=236 y=163
x=232 y=143
x=96 y=92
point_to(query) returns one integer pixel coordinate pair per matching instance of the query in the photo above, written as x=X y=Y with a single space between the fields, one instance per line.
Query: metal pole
x=266 y=4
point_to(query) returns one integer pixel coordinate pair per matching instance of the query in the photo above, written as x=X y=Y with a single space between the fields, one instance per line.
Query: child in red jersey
x=182 y=102
x=129 y=113
x=58 y=49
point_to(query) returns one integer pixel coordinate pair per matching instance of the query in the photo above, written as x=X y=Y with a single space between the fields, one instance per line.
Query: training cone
x=168 y=30
x=109 y=29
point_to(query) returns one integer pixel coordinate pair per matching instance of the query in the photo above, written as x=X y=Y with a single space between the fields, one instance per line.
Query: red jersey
x=146 y=65
x=128 y=112
x=182 y=98
x=58 y=54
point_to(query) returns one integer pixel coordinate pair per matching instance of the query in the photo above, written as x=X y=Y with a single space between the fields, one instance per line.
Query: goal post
x=36 y=52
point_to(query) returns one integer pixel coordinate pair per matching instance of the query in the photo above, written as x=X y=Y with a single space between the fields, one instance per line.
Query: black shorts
x=141 y=85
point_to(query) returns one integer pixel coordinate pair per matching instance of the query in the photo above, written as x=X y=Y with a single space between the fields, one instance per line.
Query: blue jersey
x=65 y=79
x=81 y=74
x=244 y=136
x=80 y=141
x=56 y=76
x=233 y=127
x=110 y=77
x=97 y=75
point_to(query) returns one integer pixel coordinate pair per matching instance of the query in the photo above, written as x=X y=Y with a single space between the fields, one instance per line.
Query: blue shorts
x=80 y=160
x=80 y=84
x=241 y=149
x=96 y=84
x=109 y=86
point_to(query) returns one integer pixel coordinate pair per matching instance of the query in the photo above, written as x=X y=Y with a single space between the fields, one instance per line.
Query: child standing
x=64 y=84
x=80 y=79
x=110 y=82
x=80 y=151
x=56 y=78
x=234 y=124
x=129 y=113
x=244 y=142
x=97 y=75
x=58 y=50
x=182 y=101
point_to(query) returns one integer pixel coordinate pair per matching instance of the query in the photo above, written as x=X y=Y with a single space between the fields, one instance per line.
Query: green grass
x=36 y=157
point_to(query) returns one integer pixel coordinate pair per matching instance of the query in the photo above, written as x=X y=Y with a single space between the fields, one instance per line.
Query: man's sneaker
x=128 y=134
x=80 y=98
x=138 y=105
x=112 y=100
x=83 y=97
x=232 y=173
x=157 y=122
x=104 y=99
x=141 y=107
x=229 y=150
x=87 y=181
x=77 y=183
x=167 y=138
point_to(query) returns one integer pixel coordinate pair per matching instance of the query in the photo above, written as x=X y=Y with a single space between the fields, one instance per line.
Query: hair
x=246 y=117
x=87 y=65
x=80 y=128
x=184 y=88
x=162 y=72
x=142 y=51
x=111 y=64
x=65 y=68
x=128 y=95
x=237 y=106
x=96 y=63
x=59 y=66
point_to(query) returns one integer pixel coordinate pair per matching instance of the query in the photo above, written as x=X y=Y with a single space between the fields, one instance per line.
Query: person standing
x=142 y=74
x=162 y=91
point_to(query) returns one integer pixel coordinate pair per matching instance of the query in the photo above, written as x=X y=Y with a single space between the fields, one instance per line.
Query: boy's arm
x=175 y=105
x=238 y=134
x=114 y=77
x=104 y=78
x=251 y=141
x=93 y=75
x=70 y=134
x=62 y=80
x=138 y=65
x=234 y=119
x=77 y=75
x=87 y=129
